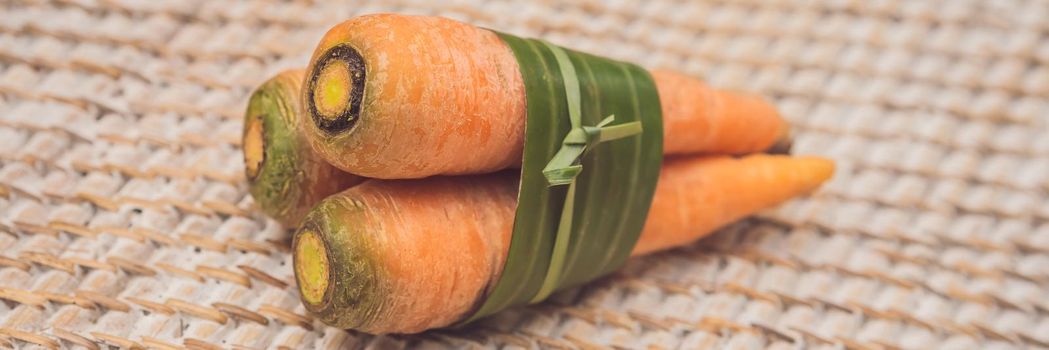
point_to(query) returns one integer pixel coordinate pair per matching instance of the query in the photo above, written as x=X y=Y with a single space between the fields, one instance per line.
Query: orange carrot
x=701 y=119
x=394 y=96
x=695 y=196
x=409 y=255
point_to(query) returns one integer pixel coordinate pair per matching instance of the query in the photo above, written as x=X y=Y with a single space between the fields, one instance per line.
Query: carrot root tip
x=311 y=267
x=783 y=145
x=335 y=89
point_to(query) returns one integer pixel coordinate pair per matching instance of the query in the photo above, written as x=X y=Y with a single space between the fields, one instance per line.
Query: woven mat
x=125 y=220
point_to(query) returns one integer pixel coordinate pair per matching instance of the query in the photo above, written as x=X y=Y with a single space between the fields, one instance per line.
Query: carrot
x=695 y=196
x=701 y=119
x=285 y=177
x=393 y=96
x=404 y=256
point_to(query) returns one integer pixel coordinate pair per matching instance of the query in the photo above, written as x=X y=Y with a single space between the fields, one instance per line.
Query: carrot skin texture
x=440 y=242
x=425 y=111
x=443 y=97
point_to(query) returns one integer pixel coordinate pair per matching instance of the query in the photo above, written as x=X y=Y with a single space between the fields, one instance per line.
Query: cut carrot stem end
x=332 y=92
x=311 y=265
x=285 y=177
x=254 y=146
x=335 y=89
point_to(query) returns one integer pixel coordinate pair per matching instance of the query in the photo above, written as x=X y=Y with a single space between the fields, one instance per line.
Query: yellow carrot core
x=311 y=267
x=254 y=147
x=332 y=93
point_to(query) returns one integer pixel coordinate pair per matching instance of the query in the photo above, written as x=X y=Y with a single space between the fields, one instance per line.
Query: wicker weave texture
x=125 y=220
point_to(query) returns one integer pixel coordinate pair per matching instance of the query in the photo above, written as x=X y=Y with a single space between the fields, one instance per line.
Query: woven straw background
x=125 y=220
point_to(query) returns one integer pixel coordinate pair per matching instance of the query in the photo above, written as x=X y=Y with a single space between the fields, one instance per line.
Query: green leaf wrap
x=611 y=169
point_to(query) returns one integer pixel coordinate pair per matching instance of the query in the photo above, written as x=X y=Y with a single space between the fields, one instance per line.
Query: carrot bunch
x=434 y=111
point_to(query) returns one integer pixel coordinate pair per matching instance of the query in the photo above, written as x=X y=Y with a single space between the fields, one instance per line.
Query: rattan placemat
x=125 y=220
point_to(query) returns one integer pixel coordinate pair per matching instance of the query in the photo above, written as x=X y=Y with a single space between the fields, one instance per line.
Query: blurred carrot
x=410 y=255
x=285 y=177
x=700 y=119
x=695 y=196
x=394 y=96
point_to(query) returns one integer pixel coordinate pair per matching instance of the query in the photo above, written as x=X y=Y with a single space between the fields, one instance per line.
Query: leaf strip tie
x=565 y=166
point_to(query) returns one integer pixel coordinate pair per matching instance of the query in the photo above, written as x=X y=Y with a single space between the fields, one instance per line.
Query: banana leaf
x=595 y=126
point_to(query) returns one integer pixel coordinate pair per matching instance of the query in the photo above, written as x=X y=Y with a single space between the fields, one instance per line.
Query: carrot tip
x=783 y=145
x=817 y=170
x=824 y=169
x=311 y=267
